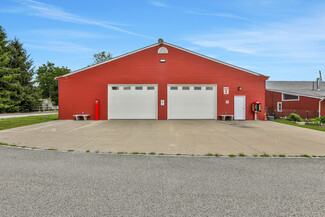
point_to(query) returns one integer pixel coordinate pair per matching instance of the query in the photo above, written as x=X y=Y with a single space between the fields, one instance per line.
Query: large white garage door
x=132 y=101
x=192 y=101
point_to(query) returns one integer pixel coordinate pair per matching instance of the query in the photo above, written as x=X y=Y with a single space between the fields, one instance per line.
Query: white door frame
x=244 y=106
x=108 y=90
x=215 y=102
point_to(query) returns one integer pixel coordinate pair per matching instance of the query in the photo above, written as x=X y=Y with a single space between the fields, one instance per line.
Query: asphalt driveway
x=50 y=183
x=170 y=137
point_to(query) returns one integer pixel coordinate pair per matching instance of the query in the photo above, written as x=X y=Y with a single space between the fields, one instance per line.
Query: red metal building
x=161 y=81
x=305 y=98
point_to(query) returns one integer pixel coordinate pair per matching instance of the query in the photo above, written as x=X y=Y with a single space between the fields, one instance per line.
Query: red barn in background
x=305 y=98
x=161 y=81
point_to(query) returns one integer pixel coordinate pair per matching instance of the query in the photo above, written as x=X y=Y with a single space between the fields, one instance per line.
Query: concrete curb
x=166 y=155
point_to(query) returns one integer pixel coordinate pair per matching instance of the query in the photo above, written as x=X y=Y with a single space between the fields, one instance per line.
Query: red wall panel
x=300 y=107
x=78 y=91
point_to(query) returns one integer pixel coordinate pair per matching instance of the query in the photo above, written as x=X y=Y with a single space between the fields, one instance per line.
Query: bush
x=322 y=119
x=295 y=117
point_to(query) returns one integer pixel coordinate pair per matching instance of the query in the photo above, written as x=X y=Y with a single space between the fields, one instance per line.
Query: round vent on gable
x=162 y=50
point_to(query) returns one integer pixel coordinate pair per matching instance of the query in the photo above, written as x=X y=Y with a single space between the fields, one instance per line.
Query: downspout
x=320 y=108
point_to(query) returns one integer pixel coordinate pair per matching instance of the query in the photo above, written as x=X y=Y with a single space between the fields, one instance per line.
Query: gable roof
x=303 y=88
x=171 y=45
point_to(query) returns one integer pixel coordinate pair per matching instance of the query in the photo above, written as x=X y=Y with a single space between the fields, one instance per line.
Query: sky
x=283 y=39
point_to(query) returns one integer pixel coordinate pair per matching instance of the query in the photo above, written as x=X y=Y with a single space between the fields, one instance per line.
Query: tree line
x=21 y=86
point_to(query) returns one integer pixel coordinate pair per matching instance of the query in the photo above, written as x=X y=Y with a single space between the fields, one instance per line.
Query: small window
x=150 y=88
x=115 y=88
x=209 y=88
x=289 y=97
x=173 y=88
x=126 y=88
x=279 y=106
x=139 y=88
x=185 y=88
x=162 y=50
x=197 y=88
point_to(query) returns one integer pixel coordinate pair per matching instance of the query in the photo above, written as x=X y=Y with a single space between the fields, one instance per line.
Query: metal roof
x=171 y=45
x=303 y=88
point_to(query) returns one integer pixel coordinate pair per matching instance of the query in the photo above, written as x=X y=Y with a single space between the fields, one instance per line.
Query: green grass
x=8 y=123
x=209 y=154
x=121 y=152
x=305 y=155
x=88 y=151
x=320 y=128
x=255 y=155
x=232 y=155
x=135 y=152
x=217 y=155
x=52 y=149
x=152 y=153
x=178 y=154
x=241 y=155
x=264 y=155
x=161 y=153
x=70 y=150
x=282 y=155
x=97 y=152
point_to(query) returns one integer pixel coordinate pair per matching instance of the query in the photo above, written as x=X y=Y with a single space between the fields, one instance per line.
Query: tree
x=101 y=57
x=17 y=92
x=47 y=84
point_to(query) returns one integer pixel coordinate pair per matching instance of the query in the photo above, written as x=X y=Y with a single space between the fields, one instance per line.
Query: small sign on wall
x=227 y=101
x=225 y=90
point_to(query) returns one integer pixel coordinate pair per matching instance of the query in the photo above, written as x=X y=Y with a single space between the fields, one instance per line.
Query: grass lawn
x=304 y=126
x=7 y=123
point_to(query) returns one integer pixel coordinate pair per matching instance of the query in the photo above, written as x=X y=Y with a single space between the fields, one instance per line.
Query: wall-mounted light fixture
x=239 y=88
x=162 y=60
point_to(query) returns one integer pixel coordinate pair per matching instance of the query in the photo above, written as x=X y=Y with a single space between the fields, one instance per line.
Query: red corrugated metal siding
x=77 y=92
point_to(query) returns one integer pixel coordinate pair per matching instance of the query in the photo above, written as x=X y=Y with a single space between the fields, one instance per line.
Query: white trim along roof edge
x=295 y=93
x=171 y=45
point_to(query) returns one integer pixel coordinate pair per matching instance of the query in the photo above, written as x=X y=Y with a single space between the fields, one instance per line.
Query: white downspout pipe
x=320 y=107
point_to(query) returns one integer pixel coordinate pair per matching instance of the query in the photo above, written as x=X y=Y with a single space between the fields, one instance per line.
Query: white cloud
x=64 y=34
x=158 y=4
x=35 y=8
x=297 y=39
x=224 y=15
x=58 y=46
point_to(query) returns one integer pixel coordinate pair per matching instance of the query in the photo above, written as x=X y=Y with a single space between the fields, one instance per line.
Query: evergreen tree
x=28 y=94
x=48 y=86
x=17 y=92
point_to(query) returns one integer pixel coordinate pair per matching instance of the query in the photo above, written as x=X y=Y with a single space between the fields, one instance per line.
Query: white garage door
x=192 y=101
x=132 y=101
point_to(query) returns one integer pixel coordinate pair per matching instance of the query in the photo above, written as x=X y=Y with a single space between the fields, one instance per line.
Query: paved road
x=50 y=183
x=17 y=115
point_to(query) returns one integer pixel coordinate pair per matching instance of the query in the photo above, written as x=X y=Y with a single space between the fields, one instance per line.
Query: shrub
x=295 y=117
x=322 y=119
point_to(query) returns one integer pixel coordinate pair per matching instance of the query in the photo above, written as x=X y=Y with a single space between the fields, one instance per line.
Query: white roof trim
x=297 y=94
x=171 y=45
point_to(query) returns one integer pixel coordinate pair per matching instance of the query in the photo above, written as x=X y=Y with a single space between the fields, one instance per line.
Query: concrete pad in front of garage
x=170 y=137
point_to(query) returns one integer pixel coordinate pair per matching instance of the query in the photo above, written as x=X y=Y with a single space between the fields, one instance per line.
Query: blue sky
x=284 y=39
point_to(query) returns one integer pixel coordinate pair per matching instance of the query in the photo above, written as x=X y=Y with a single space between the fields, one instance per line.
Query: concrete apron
x=170 y=137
